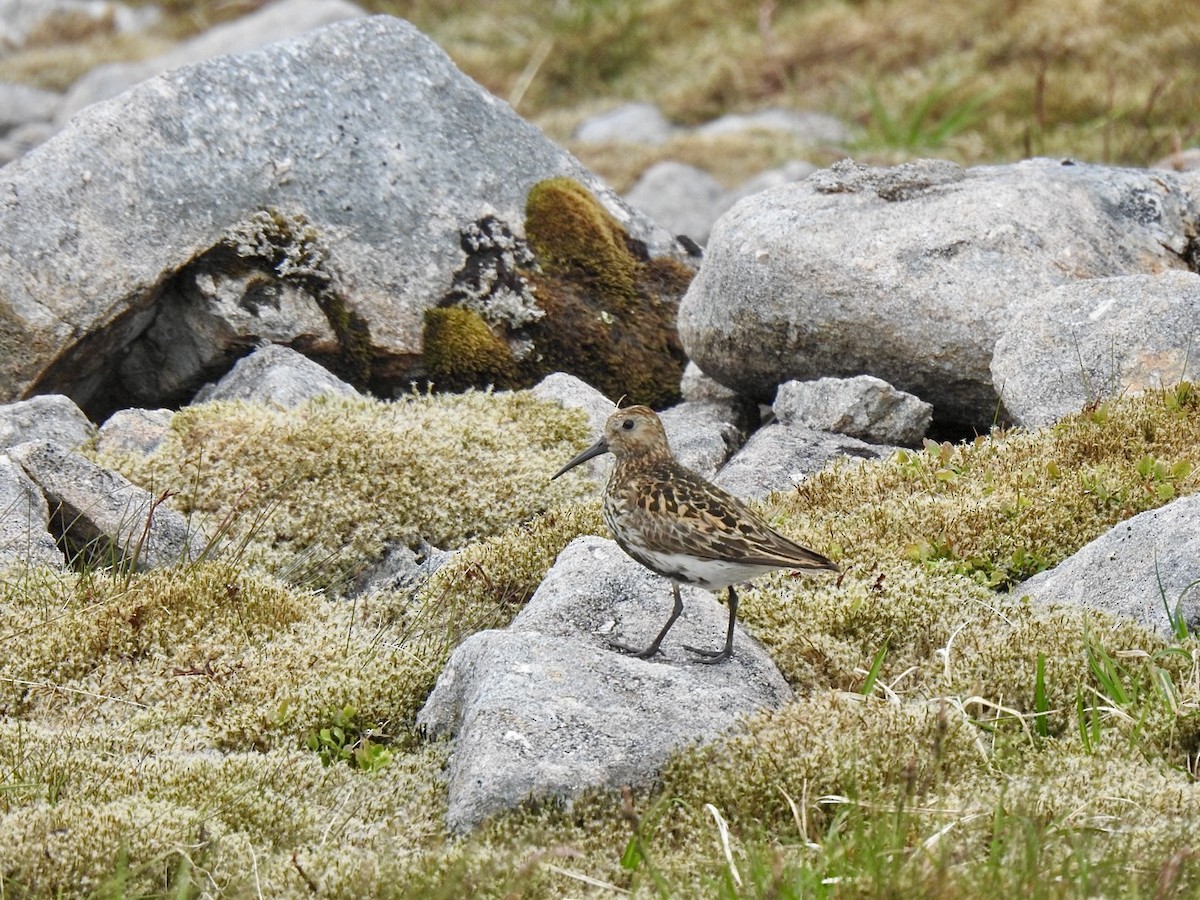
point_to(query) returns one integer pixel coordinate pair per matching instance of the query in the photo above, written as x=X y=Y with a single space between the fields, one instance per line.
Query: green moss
x=460 y=351
x=572 y=234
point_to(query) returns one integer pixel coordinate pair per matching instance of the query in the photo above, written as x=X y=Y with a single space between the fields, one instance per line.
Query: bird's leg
x=647 y=652
x=716 y=656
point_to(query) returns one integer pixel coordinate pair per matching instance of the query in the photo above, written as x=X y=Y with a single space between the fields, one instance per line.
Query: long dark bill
x=601 y=446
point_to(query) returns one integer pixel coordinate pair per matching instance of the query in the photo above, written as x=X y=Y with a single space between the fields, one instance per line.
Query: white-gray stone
x=1187 y=160
x=909 y=273
x=633 y=123
x=1094 y=340
x=702 y=435
x=46 y=417
x=400 y=569
x=546 y=710
x=863 y=407
x=679 y=197
x=574 y=393
x=793 y=170
x=22 y=139
x=278 y=376
x=347 y=162
x=700 y=388
x=137 y=431
x=1140 y=568
x=777 y=457
x=276 y=21
x=19 y=18
x=22 y=103
x=24 y=520
x=814 y=127
x=101 y=514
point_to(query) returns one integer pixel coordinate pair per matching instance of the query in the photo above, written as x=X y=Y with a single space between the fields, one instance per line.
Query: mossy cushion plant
x=217 y=728
x=317 y=492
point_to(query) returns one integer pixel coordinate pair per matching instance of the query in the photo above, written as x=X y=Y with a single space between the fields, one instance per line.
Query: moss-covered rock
x=587 y=300
x=573 y=235
x=461 y=351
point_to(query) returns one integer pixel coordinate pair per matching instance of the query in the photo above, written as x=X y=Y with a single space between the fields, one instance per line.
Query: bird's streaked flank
x=675 y=523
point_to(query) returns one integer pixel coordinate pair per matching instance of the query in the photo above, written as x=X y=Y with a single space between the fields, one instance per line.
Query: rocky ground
x=292 y=341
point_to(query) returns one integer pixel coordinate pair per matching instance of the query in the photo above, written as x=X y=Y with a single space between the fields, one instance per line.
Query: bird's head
x=633 y=433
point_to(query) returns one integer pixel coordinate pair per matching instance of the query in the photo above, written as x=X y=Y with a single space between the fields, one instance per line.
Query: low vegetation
x=220 y=728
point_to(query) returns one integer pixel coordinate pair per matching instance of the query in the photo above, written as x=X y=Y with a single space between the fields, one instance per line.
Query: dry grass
x=975 y=81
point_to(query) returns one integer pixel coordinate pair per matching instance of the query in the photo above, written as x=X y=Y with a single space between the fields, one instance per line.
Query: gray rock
x=702 y=435
x=863 y=407
x=137 y=431
x=573 y=393
x=698 y=387
x=778 y=457
x=273 y=22
x=347 y=163
x=22 y=139
x=545 y=710
x=679 y=197
x=211 y=315
x=1140 y=568
x=814 y=127
x=19 y=18
x=1093 y=340
x=909 y=273
x=400 y=569
x=24 y=520
x=794 y=170
x=1181 y=161
x=101 y=515
x=279 y=376
x=21 y=104
x=47 y=417
x=634 y=123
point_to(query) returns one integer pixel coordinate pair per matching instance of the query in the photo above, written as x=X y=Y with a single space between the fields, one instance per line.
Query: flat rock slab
x=863 y=407
x=102 y=513
x=546 y=710
x=1140 y=569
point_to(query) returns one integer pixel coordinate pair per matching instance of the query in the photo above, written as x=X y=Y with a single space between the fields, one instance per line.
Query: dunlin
x=676 y=523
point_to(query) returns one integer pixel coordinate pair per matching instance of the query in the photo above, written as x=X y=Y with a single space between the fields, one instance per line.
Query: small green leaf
x=632 y=857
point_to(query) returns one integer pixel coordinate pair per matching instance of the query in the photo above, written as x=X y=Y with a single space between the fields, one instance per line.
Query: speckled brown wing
x=677 y=511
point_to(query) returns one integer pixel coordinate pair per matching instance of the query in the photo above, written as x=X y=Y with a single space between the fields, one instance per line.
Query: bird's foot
x=709 y=657
x=644 y=653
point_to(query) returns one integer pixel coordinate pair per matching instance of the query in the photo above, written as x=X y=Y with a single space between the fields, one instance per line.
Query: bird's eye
x=627 y=424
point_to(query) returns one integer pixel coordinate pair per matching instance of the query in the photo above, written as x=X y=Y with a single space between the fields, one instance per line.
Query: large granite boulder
x=1144 y=568
x=910 y=274
x=324 y=186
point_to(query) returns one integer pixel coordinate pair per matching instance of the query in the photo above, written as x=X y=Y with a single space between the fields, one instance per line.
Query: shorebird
x=681 y=526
